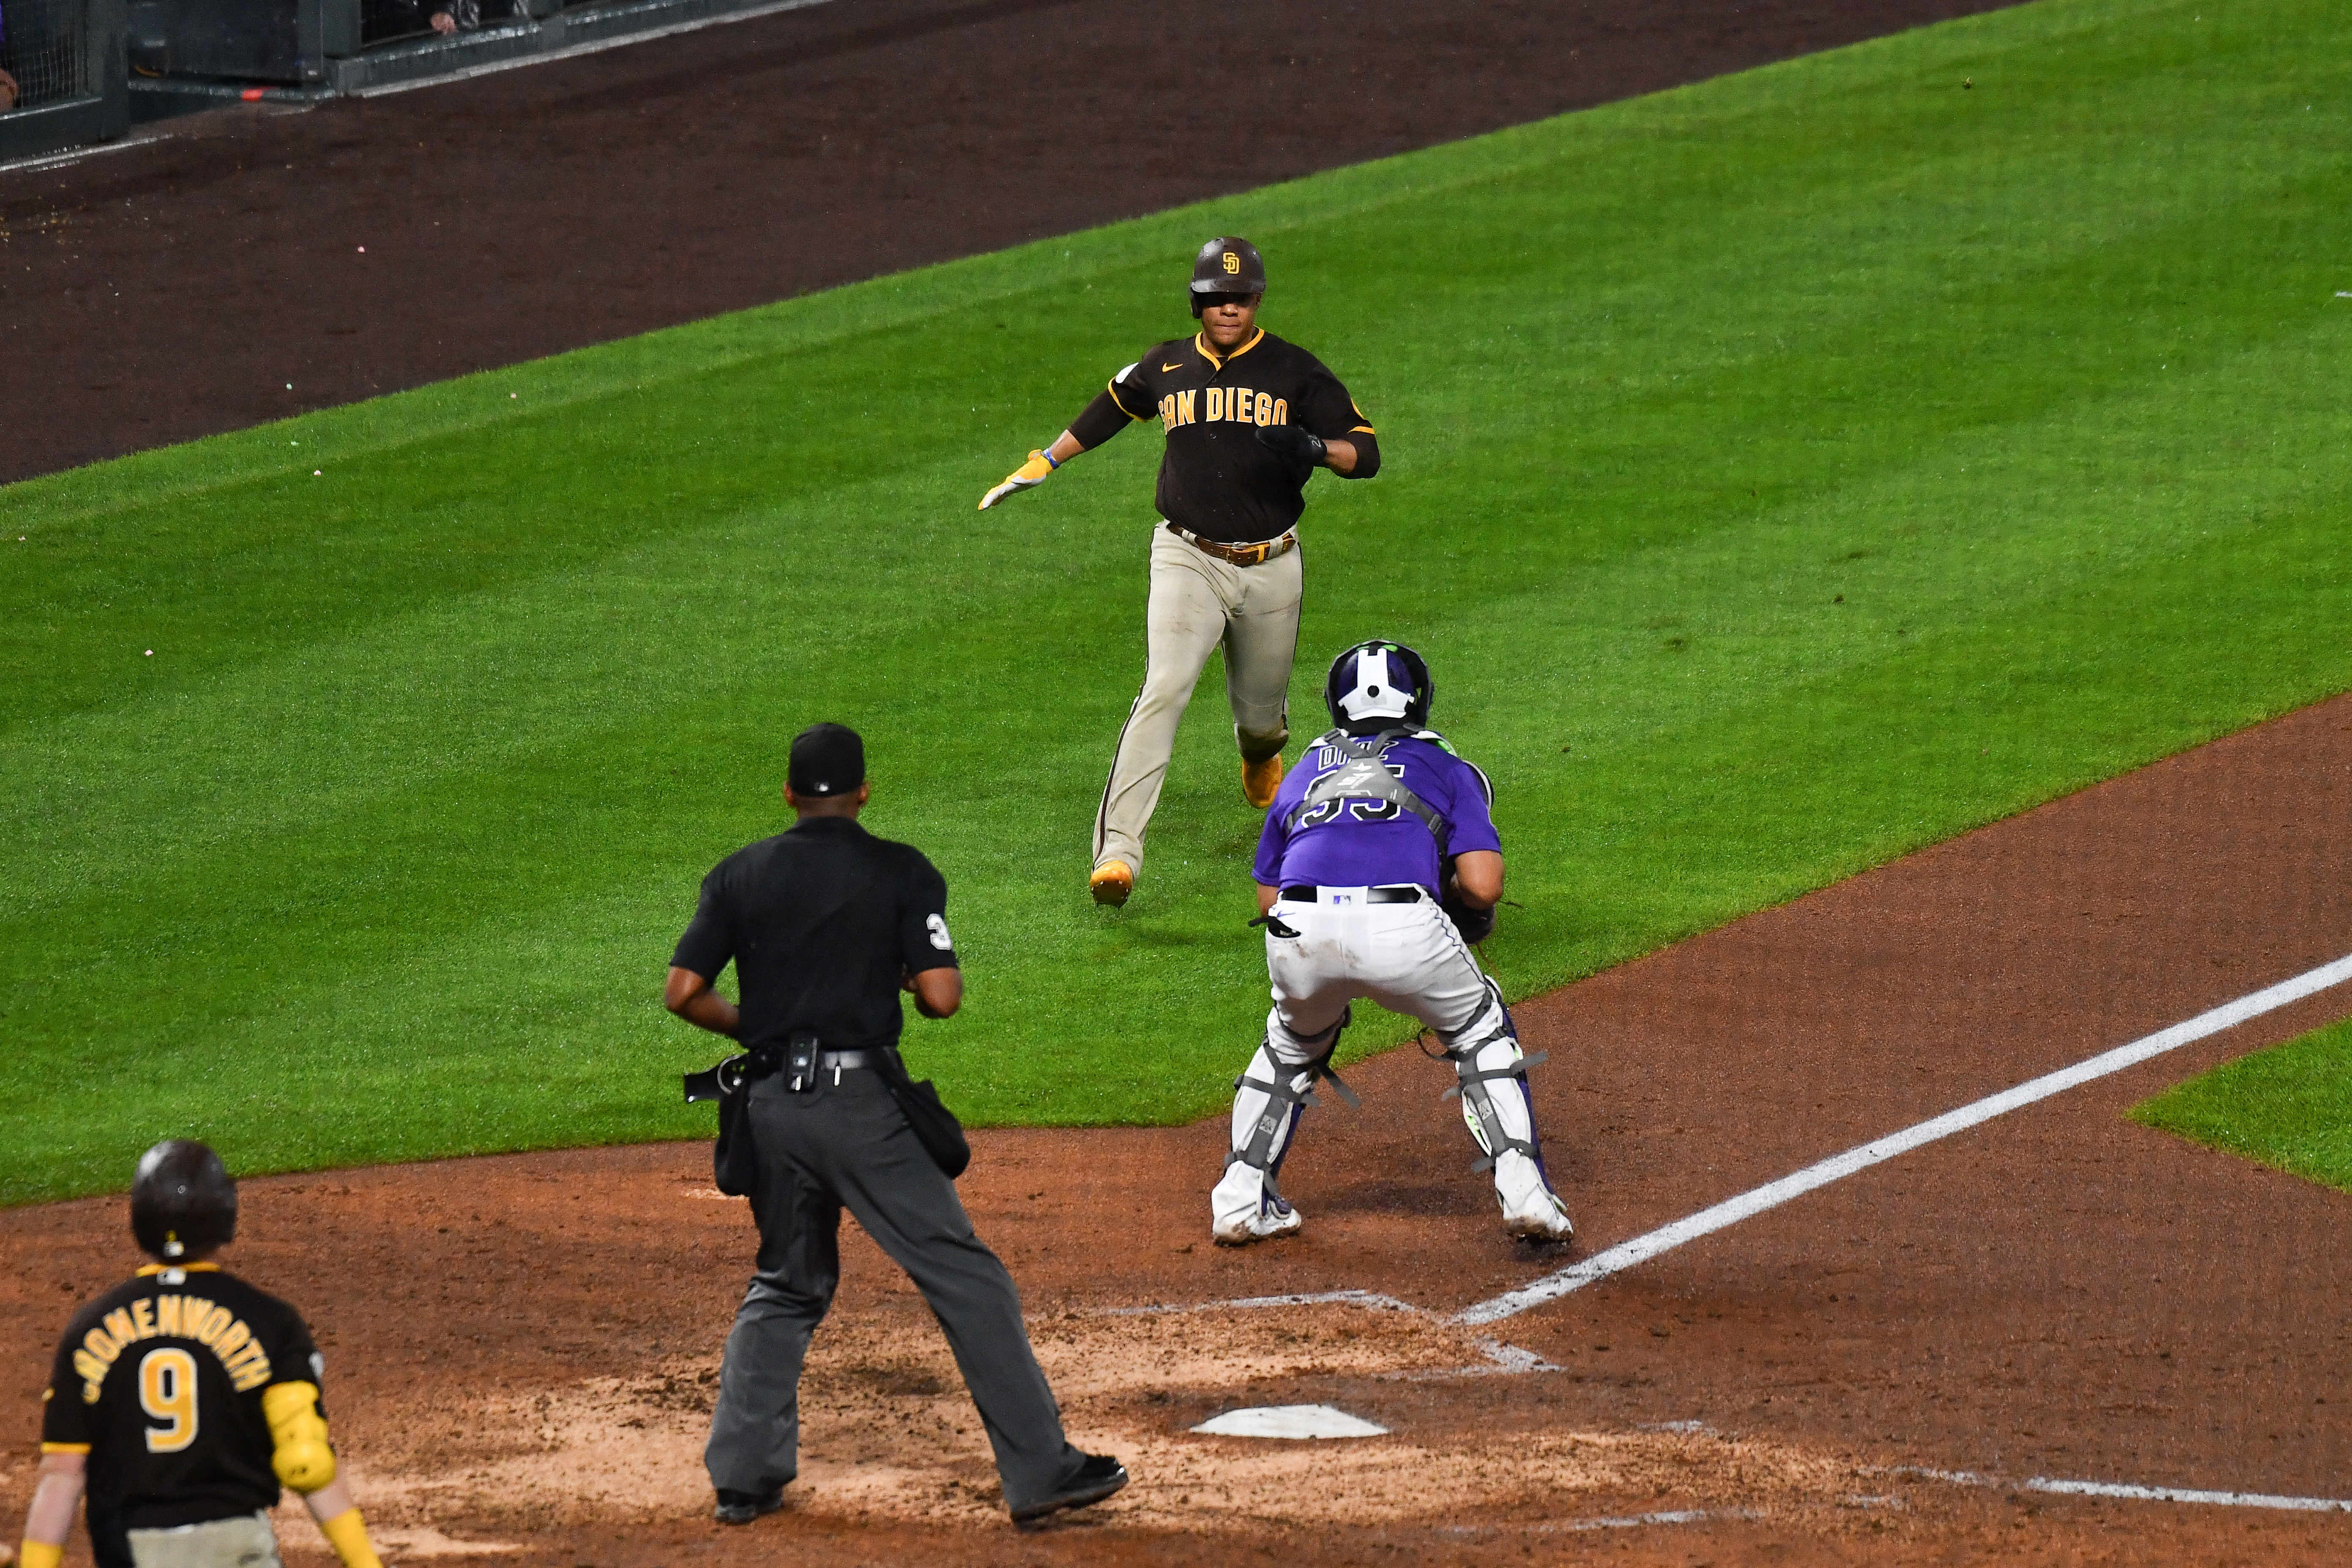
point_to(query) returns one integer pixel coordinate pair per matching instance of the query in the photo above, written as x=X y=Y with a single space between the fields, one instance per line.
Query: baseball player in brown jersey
x=1248 y=419
x=182 y=1399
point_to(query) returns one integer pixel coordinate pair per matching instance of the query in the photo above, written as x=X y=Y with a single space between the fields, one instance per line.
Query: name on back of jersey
x=177 y=1317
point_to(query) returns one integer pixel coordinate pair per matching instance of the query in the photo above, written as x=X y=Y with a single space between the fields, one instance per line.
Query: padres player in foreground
x=1380 y=822
x=181 y=1398
x=1248 y=419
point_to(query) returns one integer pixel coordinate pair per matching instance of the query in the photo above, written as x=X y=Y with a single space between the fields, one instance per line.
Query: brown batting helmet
x=1226 y=265
x=182 y=1201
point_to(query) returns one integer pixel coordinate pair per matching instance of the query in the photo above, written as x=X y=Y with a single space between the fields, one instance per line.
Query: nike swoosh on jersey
x=1178 y=365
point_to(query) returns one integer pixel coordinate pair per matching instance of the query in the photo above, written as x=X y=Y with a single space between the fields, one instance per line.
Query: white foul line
x=2054 y=1487
x=2188 y=1494
x=1731 y=1211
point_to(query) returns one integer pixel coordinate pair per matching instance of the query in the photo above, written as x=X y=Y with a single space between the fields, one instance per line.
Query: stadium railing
x=193 y=54
x=66 y=60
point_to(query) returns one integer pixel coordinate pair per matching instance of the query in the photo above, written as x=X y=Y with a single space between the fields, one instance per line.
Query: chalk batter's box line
x=1503 y=1359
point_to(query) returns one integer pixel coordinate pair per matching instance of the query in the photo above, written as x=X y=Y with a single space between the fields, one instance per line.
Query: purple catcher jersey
x=1369 y=843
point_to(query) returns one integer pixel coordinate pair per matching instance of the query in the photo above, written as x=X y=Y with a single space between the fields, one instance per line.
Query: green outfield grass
x=2290 y=1105
x=1782 y=473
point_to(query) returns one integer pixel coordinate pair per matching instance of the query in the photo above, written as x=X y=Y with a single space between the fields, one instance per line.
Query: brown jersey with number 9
x=159 y=1382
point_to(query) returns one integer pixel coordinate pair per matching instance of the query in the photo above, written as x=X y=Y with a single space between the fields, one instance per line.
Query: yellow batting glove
x=1029 y=475
x=39 y=1554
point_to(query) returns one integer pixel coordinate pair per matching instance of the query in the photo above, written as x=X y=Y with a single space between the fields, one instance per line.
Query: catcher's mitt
x=1475 y=925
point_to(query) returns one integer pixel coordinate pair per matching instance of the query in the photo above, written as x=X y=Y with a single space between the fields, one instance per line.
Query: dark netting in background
x=45 y=45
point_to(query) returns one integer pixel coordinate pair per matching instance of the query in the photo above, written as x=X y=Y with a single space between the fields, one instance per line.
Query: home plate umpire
x=825 y=924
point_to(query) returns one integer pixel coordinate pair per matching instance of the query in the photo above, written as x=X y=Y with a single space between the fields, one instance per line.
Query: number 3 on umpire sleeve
x=167 y=1391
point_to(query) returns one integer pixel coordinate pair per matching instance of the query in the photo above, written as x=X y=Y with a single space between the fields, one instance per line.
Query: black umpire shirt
x=159 y=1382
x=821 y=922
x=1216 y=480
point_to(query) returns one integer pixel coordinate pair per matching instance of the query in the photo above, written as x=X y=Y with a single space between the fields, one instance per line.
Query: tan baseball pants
x=1199 y=602
x=242 y=1542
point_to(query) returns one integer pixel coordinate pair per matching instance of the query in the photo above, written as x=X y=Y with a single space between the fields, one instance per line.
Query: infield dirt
x=521 y=1350
x=259 y=262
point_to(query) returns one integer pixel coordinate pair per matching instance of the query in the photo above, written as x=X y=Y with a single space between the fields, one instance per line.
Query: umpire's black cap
x=1226 y=265
x=828 y=760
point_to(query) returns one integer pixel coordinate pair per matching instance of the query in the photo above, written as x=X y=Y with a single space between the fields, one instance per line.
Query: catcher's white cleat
x=1241 y=1209
x=1531 y=1210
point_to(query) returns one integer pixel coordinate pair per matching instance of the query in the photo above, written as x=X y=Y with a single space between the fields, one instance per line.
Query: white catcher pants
x=1410 y=959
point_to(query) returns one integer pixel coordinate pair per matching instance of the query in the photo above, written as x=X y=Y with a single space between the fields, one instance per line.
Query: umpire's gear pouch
x=734 y=1158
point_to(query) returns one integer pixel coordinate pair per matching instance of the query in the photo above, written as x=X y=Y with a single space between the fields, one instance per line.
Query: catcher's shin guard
x=1275 y=1092
x=1491 y=1074
x=1268 y=1101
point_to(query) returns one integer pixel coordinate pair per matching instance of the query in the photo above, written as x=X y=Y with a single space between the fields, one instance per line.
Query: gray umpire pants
x=848 y=1145
x=1197 y=602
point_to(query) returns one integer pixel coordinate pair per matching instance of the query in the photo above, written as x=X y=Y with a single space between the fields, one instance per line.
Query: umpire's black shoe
x=742 y=1508
x=1097 y=1477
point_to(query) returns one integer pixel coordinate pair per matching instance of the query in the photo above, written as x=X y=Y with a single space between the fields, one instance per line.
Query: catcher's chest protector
x=1364 y=777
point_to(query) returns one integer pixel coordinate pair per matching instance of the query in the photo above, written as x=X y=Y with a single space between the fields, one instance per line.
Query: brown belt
x=1257 y=554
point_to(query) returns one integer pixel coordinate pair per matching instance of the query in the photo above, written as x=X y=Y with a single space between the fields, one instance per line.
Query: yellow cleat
x=1261 y=779
x=1112 y=882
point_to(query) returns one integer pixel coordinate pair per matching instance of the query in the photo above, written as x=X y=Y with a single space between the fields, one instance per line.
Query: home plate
x=1290 y=1421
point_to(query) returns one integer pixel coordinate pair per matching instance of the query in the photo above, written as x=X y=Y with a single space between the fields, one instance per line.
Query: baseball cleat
x=1097 y=1477
x=1276 y=1218
x=1261 y=779
x=1541 y=1217
x=1242 y=1209
x=1112 y=882
x=742 y=1508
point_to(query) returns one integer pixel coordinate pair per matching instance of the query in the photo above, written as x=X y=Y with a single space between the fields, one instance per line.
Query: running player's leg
x=1261 y=642
x=1312 y=987
x=1184 y=620
x=1434 y=977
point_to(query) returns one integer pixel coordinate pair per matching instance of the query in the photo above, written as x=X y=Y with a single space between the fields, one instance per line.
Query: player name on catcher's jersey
x=1353 y=840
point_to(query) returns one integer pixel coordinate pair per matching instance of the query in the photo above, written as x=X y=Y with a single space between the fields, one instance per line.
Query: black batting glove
x=1303 y=449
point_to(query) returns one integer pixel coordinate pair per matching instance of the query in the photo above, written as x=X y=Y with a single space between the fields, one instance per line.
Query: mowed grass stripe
x=393 y=835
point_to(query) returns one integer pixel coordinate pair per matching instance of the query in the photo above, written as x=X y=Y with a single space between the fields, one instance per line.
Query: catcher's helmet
x=1379 y=685
x=1226 y=266
x=182 y=1201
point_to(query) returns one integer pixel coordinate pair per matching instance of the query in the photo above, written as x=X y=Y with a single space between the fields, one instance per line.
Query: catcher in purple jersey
x=1379 y=857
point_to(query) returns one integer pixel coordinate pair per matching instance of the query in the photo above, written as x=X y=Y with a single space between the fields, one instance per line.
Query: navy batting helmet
x=1379 y=685
x=1226 y=266
x=182 y=1201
